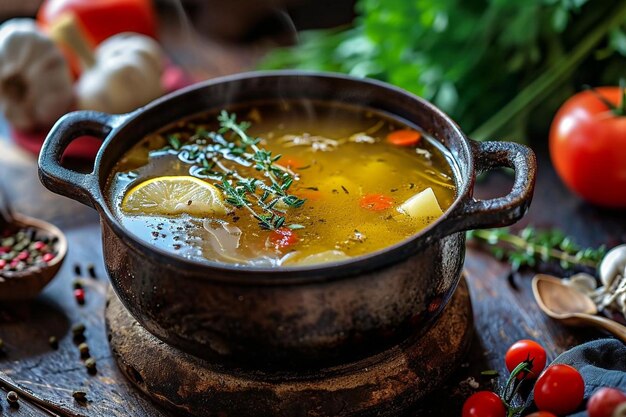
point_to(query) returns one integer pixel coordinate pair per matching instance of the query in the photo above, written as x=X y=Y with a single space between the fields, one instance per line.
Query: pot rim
x=288 y=274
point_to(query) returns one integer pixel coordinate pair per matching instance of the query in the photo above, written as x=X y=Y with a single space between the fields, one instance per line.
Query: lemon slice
x=172 y=196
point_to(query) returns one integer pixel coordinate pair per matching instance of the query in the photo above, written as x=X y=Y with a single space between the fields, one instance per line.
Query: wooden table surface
x=503 y=314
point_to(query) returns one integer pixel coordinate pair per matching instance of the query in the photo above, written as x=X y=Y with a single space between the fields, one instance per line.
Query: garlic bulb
x=35 y=80
x=122 y=74
x=126 y=75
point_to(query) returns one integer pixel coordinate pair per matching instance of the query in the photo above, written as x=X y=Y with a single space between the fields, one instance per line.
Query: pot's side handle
x=57 y=178
x=506 y=210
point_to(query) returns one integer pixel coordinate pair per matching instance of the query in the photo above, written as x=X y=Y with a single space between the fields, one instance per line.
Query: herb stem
x=538 y=250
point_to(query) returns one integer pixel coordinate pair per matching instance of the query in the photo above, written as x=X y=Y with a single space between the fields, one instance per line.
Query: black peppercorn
x=13 y=398
x=53 y=342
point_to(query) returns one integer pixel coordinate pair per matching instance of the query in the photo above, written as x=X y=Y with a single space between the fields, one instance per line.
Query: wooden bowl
x=27 y=284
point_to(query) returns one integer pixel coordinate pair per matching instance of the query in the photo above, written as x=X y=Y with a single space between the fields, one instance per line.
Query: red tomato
x=376 y=202
x=526 y=350
x=103 y=18
x=559 y=389
x=588 y=147
x=604 y=402
x=484 y=404
x=283 y=237
x=541 y=414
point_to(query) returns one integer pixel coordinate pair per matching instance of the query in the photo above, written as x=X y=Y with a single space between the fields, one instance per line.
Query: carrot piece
x=404 y=137
x=283 y=237
x=376 y=202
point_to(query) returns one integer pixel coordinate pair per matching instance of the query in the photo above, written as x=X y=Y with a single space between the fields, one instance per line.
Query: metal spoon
x=570 y=306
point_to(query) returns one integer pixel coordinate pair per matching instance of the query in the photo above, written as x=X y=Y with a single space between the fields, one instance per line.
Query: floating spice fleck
x=13 y=398
x=53 y=342
x=83 y=348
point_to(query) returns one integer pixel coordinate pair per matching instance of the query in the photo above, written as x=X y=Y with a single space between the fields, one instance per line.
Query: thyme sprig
x=220 y=156
x=530 y=247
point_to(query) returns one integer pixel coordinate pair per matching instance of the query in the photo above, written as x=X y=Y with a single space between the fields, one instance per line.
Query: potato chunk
x=422 y=204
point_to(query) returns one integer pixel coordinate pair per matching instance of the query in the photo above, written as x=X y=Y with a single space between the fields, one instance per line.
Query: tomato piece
x=376 y=202
x=103 y=18
x=588 y=147
x=526 y=350
x=283 y=238
x=484 y=404
x=542 y=414
x=404 y=137
x=291 y=162
x=604 y=402
x=559 y=389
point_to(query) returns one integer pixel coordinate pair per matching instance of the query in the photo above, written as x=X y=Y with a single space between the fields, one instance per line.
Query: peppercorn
x=13 y=399
x=91 y=269
x=48 y=257
x=53 y=342
x=83 y=348
x=79 y=295
x=90 y=364
x=80 y=396
x=78 y=329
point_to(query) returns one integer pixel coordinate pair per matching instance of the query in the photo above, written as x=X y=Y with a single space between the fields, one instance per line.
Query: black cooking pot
x=300 y=316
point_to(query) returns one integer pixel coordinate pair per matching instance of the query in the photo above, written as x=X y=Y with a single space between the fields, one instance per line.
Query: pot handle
x=506 y=210
x=55 y=177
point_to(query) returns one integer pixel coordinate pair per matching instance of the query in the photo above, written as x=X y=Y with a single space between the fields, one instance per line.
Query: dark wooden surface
x=503 y=314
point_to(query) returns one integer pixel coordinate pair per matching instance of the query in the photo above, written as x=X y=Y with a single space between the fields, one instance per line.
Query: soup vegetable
x=285 y=183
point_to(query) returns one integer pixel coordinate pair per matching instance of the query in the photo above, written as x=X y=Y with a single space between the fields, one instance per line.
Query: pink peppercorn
x=3 y=263
x=22 y=256
x=39 y=245
x=4 y=249
x=48 y=257
x=79 y=294
x=14 y=263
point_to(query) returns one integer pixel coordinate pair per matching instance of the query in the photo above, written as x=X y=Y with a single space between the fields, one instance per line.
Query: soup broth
x=355 y=182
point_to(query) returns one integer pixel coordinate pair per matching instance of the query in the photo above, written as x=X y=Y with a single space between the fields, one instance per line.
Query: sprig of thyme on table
x=221 y=155
x=531 y=246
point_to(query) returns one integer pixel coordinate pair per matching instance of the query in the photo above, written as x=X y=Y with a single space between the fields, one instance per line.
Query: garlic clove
x=613 y=265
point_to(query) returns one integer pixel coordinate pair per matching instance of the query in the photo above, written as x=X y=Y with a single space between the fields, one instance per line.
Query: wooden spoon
x=571 y=306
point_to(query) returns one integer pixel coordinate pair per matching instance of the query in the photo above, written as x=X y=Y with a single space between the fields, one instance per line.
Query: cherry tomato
x=604 y=402
x=588 y=146
x=283 y=237
x=526 y=350
x=484 y=404
x=559 y=389
x=541 y=414
x=404 y=137
x=376 y=202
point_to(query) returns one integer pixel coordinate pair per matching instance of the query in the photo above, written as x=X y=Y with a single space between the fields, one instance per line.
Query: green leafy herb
x=530 y=246
x=487 y=63
x=225 y=155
